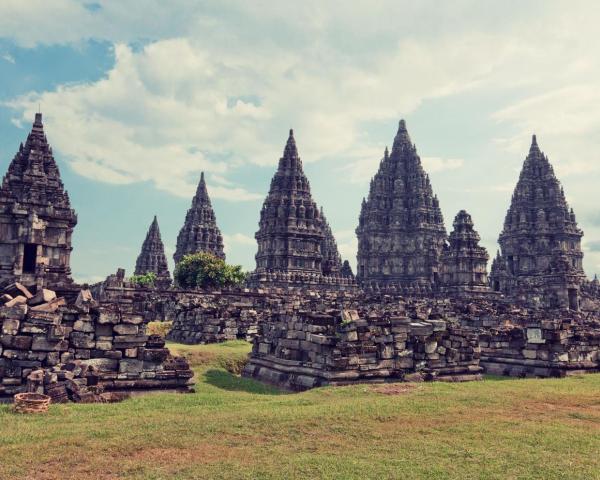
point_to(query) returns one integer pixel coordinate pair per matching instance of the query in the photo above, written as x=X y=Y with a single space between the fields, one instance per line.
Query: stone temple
x=36 y=218
x=540 y=244
x=295 y=243
x=152 y=257
x=464 y=261
x=200 y=232
x=401 y=232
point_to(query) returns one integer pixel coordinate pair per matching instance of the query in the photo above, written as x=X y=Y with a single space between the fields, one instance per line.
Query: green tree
x=204 y=270
x=146 y=280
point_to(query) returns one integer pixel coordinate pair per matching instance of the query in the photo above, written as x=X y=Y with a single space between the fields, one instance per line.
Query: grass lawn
x=237 y=428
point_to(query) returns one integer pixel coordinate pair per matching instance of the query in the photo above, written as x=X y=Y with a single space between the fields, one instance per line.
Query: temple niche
x=401 y=231
x=464 y=261
x=152 y=258
x=200 y=232
x=540 y=244
x=36 y=218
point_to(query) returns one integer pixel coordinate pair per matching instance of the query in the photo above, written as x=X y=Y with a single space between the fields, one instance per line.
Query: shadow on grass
x=227 y=381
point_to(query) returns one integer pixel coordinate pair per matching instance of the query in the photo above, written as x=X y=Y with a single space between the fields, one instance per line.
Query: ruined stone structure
x=295 y=244
x=36 y=218
x=83 y=347
x=302 y=348
x=152 y=257
x=464 y=262
x=401 y=231
x=200 y=232
x=540 y=242
x=332 y=261
x=290 y=231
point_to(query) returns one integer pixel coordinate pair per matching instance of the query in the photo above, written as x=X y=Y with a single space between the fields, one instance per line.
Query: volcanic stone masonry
x=464 y=262
x=301 y=348
x=401 y=231
x=152 y=257
x=540 y=244
x=36 y=218
x=82 y=348
x=295 y=244
x=200 y=232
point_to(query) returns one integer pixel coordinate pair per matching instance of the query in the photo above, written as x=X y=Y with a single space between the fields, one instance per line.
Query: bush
x=159 y=328
x=204 y=270
x=146 y=280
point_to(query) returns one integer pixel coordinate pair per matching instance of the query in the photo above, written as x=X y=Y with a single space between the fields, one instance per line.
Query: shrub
x=204 y=270
x=146 y=280
x=158 y=328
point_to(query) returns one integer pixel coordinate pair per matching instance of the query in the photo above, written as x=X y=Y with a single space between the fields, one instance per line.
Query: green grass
x=237 y=428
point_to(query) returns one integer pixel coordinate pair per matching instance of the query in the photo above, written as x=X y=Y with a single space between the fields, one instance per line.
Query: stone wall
x=542 y=348
x=110 y=339
x=298 y=350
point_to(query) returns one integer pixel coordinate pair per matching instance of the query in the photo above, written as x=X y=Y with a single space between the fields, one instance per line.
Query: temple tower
x=152 y=257
x=200 y=232
x=401 y=231
x=332 y=261
x=36 y=218
x=540 y=242
x=290 y=235
x=464 y=262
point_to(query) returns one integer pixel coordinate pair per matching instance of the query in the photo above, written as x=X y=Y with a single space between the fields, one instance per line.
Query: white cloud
x=9 y=58
x=439 y=164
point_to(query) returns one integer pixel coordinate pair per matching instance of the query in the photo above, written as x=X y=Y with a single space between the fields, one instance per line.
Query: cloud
x=438 y=164
x=9 y=58
x=567 y=123
x=593 y=246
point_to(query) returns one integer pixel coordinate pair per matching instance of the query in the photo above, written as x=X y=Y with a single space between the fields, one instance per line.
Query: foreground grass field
x=237 y=428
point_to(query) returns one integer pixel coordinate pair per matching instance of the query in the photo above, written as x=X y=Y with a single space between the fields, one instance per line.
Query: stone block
x=10 y=326
x=125 y=329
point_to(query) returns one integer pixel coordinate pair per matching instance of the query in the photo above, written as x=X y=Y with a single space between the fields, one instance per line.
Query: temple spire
x=152 y=256
x=200 y=232
x=399 y=219
x=402 y=138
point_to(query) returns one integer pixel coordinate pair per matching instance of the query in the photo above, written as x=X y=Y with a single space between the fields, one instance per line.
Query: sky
x=140 y=96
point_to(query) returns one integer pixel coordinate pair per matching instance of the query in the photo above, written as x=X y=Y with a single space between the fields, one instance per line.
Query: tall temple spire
x=539 y=227
x=152 y=256
x=290 y=233
x=200 y=232
x=401 y=231
x=36 y=210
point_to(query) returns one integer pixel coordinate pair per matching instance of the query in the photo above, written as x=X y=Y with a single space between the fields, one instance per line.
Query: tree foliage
x=148 y=279
x=204 y=270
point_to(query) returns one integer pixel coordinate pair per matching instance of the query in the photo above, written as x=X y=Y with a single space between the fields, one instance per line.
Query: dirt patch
x=395 y=388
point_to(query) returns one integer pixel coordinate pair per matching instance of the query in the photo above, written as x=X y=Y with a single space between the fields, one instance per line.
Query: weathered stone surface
x=540 y=253
x=464 y=262
x=36 y=215
x=152 y=257
x=401 y=231
x=200 y=232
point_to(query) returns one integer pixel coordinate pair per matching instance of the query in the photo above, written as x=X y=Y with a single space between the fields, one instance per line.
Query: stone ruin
x=300 y=348
x=421 y=306
x=295 y=245
x=36 y=218
x=79 y=345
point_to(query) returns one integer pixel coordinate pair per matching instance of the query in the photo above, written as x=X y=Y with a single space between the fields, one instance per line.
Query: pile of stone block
x=219 y=317
x=299 y=349
x=109 y=338
x=542 y=348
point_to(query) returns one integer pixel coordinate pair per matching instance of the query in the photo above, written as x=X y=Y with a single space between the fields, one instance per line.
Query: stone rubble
x=106 y=341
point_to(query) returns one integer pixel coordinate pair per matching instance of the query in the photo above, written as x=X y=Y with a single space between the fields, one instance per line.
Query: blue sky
x=140 y=96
